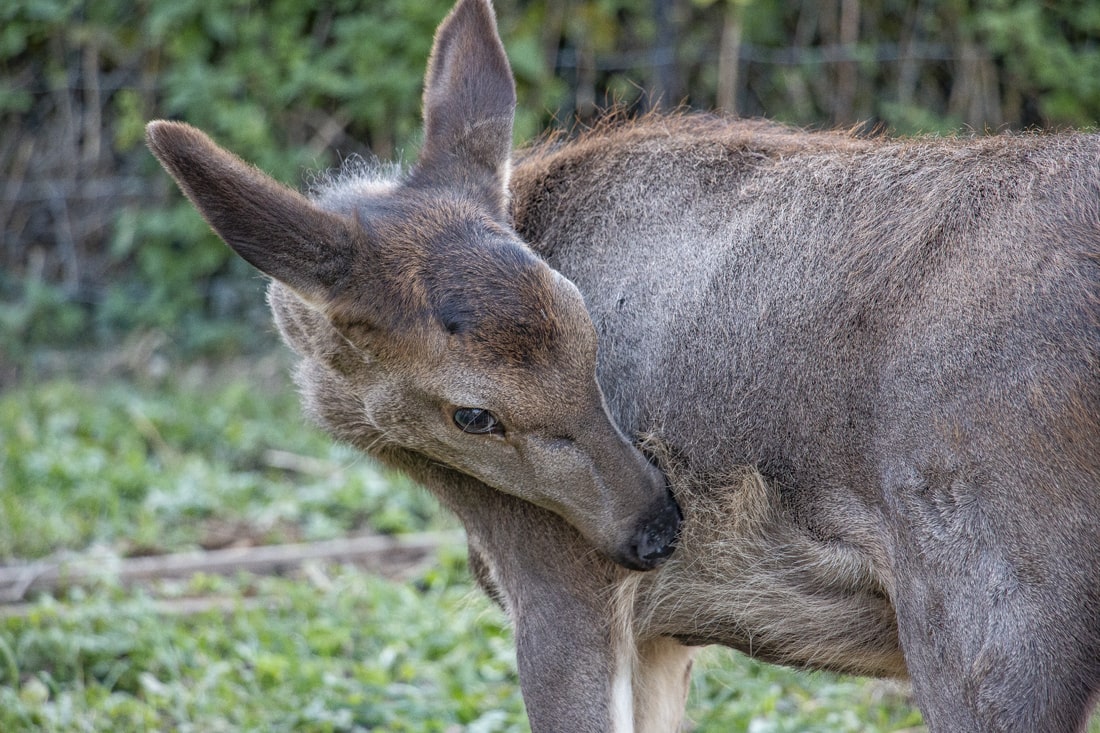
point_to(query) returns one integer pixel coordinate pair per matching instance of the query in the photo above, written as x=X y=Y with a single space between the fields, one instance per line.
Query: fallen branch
x=17 y=582
x=306 y=465
x=187 y=606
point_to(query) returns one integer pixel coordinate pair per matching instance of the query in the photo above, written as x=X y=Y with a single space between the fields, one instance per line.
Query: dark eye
x=476 y=420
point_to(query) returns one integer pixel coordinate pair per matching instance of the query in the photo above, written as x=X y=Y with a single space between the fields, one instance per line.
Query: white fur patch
x=506 y=178
x=622 y=692
x=344 y=188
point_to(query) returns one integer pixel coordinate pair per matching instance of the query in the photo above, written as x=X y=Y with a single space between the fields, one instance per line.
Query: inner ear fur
x=314 y=335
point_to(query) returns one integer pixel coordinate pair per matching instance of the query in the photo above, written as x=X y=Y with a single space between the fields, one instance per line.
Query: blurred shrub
x=97 y=240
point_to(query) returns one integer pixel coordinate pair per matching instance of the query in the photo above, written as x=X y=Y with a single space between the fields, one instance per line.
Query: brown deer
x=868 y=371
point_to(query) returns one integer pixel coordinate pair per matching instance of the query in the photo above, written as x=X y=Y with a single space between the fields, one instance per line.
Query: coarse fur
x=868 y=369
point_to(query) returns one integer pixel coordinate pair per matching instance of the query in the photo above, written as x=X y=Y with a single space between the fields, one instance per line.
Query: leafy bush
x=97 y=242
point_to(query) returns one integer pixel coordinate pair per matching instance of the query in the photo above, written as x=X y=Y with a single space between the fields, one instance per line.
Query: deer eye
x=476 y=420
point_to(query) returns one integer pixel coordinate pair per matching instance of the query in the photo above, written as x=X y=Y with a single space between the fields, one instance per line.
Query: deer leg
x=1001 y=670
x=653 y=673
x=661 y=678
x=999 y=627
x=555 y=589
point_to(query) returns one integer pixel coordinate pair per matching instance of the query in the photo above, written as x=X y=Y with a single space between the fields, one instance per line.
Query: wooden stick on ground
x=17 y=582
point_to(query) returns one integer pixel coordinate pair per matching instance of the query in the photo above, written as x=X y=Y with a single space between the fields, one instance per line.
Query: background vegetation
x=98 y=244
x=142 y=393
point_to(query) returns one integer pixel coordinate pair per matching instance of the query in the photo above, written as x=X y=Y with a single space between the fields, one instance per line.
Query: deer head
x=424 y=323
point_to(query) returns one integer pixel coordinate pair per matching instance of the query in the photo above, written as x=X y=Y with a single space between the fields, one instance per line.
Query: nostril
x=651 y=552
x=656 y=539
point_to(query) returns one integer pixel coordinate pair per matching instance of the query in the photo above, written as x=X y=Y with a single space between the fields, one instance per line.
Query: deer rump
x=866 y=368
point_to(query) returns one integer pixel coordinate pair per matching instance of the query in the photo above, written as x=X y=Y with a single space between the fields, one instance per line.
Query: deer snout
x=656 y=536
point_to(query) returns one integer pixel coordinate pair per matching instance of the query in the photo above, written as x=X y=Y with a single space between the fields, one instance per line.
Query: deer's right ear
x=276 y=229
x=469 y=106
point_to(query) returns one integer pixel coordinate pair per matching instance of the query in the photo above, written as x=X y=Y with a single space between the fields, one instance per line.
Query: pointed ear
x=276 y=229
x=469 y=105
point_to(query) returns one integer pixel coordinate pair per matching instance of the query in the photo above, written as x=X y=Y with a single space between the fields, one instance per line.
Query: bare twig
x=17 y=582
x=306 y=465
x=189 y=606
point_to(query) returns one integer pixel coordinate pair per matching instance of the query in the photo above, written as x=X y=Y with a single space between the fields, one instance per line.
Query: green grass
x=343 y=651
x=159 y=469
x=133 y=468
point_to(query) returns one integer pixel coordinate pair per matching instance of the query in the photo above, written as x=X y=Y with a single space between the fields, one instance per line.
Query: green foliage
x=297 y=86
x=348 y=653
x=37 y=312
x=733 y=693
x=1050 y=55
x=291 y=86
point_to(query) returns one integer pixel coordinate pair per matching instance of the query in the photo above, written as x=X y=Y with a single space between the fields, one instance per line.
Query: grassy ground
x=132 y=466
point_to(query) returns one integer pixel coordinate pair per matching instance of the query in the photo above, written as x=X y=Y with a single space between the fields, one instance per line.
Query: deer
x=686 y=379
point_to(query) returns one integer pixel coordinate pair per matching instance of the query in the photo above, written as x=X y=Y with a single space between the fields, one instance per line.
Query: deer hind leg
x=661 y=678
x=999 y=624
x=995 y=669
x=652 y=673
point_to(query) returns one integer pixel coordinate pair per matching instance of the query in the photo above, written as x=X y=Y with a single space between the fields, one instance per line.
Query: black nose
x=656 y=538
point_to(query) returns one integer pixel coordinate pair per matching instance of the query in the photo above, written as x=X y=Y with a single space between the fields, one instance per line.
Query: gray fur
x=870 y=368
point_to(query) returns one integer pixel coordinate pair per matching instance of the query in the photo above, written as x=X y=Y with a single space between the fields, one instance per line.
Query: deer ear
x=469 y=105
x=276 y=229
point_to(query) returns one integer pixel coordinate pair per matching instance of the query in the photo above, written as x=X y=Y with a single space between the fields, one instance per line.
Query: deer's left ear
x=469 y=106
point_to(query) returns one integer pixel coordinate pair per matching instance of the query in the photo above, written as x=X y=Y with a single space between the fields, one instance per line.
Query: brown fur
x=869 y=369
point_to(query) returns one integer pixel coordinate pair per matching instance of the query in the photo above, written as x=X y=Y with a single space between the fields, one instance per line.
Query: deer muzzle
x=655 y=538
